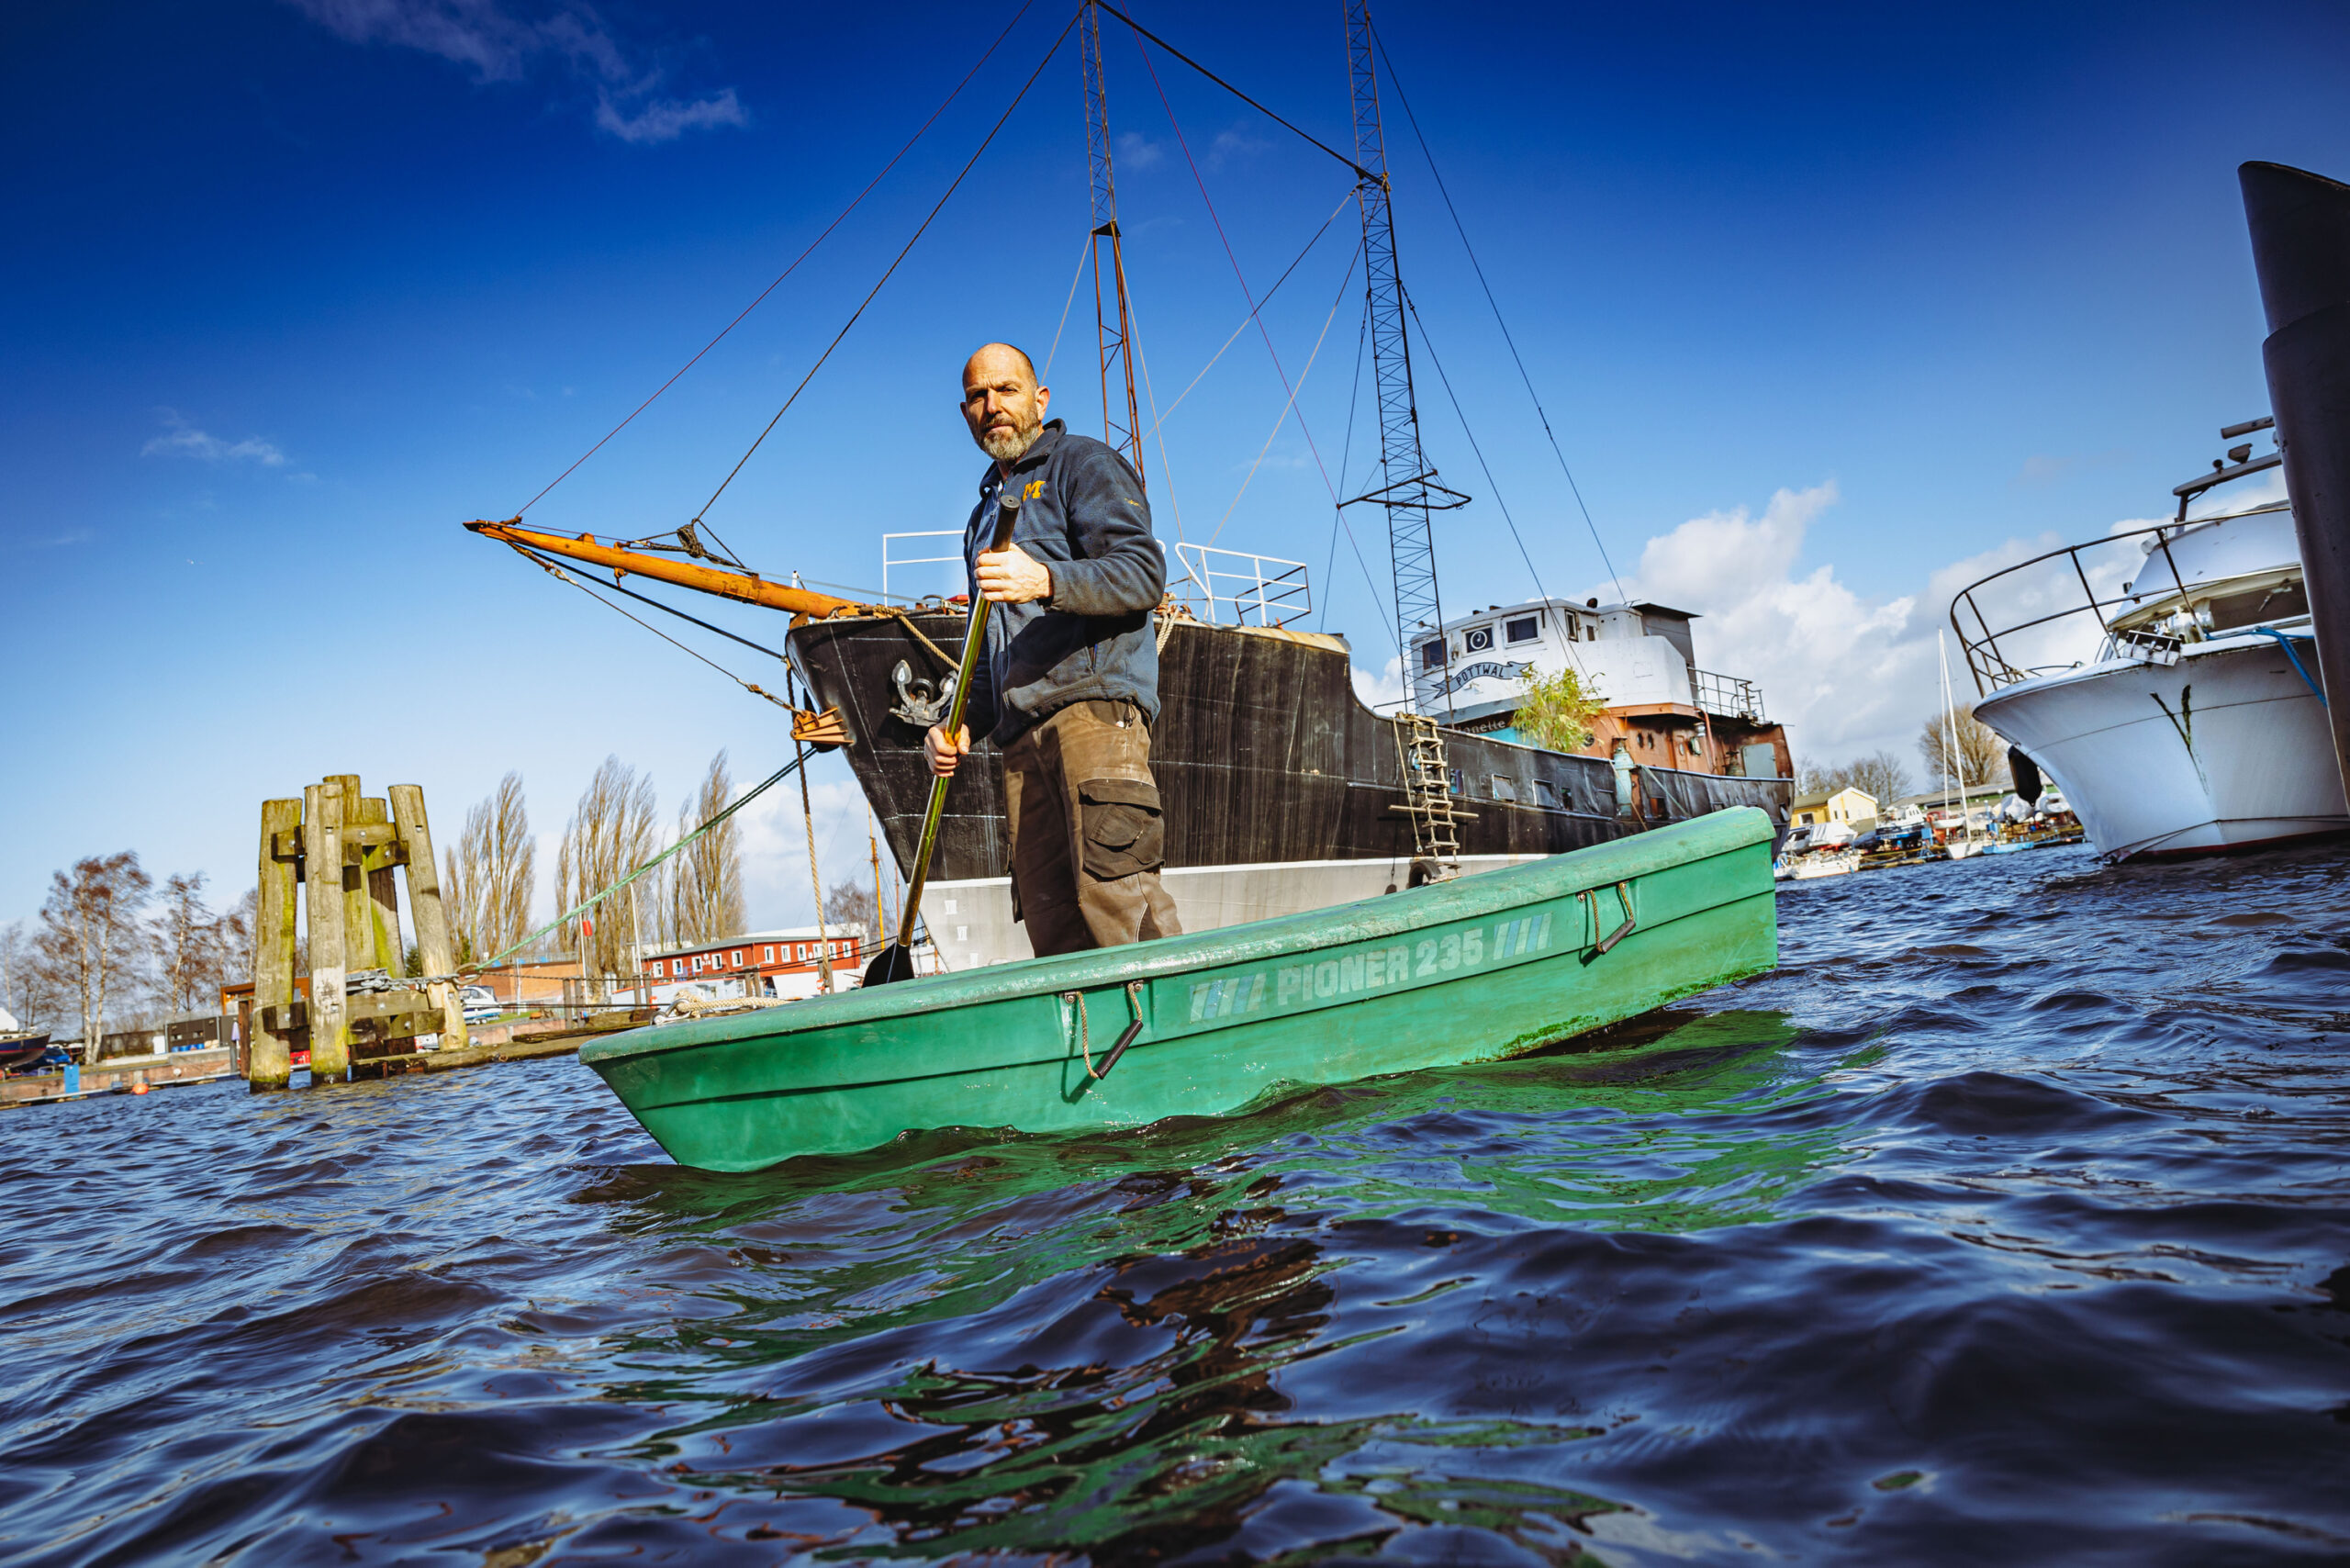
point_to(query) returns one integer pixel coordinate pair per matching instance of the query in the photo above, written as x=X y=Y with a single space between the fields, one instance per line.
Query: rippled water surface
x=2009 y=1222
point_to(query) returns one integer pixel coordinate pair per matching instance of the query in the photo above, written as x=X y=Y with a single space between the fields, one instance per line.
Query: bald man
x=1069 y=686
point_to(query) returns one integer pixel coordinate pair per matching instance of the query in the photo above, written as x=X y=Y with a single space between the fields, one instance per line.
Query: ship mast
x=1113 y=324
x=1408 y=490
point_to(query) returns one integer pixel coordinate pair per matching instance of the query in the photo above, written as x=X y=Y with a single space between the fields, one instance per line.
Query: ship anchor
x=921 y=703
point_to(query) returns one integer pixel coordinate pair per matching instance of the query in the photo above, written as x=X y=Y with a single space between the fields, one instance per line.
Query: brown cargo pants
x=1086 y=836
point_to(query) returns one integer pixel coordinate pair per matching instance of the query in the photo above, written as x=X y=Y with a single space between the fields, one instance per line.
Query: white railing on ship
x=1225 y=587
x=1253 y=589
x=1728 y=694
x=889 y=558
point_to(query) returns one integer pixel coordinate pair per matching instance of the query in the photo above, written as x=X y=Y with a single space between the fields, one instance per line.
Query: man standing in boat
x=1069 y=685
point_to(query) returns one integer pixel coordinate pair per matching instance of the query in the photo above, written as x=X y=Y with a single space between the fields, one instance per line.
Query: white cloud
x=1137 y=152
x=473 y=33
x=1381 y=691
x=496 y=45
x=1842 y=673
x=1234 y=143
x=776 y=885
x=59 y=540
x=180 y=439
x=1846 y=674
x=666 y=120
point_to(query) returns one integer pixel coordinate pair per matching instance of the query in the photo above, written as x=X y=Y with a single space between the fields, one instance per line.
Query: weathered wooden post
x=437 y=954
x=344 y=852
x=276 y=1015
x=380 y=866
x=323 y=905
x=371 y=917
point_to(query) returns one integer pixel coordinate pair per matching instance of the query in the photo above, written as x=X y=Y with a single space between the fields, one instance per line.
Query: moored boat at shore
x=2196 y=724
x=1823 y=863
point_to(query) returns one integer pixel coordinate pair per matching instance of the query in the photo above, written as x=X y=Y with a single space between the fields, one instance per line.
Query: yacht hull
x=2225 y=749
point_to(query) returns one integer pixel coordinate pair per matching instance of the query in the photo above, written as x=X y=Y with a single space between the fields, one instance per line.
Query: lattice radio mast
x=1408 y=488
x=1409 y=491
x=1113 y=325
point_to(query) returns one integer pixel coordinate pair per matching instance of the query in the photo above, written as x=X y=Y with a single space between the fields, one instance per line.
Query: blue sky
x=1830 y=307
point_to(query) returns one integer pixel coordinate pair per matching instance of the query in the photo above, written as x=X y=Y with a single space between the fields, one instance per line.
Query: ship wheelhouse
x=1638 y=657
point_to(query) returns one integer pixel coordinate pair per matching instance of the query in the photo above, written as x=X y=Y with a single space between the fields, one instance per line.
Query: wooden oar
x=896 y=962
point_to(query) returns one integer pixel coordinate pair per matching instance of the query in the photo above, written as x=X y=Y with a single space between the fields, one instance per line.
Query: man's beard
x=1009 y=446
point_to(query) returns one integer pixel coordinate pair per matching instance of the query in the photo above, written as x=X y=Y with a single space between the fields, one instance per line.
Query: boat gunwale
x=1469 y=897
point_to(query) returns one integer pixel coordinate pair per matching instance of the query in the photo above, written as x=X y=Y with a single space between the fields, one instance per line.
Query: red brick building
x=757 y=963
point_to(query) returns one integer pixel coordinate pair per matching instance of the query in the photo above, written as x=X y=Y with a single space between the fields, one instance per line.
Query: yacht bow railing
x=1994 y=666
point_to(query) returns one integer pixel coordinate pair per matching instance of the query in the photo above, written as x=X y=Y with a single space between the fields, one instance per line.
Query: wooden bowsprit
x=896 y=962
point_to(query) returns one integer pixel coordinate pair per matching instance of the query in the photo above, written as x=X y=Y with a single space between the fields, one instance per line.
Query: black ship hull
x=1263 y=755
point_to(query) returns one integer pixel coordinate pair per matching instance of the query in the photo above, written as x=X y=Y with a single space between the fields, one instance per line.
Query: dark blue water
x=2009 y=1222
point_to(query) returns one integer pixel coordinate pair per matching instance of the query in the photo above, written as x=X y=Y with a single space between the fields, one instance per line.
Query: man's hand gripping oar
x=896 y=962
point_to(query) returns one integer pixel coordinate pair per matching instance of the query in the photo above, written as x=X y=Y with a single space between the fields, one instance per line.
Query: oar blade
x=895 y=962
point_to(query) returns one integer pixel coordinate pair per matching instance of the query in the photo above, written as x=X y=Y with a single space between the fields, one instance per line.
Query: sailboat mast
x=1113 y=324
x=1953 y=758
x=1404 y=470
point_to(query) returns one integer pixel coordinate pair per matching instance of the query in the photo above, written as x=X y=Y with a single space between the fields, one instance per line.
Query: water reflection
x=1143 y=1302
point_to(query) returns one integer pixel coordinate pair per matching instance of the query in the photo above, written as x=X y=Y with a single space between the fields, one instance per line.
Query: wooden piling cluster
x=344 y=852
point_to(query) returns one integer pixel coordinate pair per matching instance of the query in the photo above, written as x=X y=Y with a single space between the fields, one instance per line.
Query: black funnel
x=2300 y=246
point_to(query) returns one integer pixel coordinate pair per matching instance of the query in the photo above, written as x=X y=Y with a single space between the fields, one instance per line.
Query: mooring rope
x=778 y=776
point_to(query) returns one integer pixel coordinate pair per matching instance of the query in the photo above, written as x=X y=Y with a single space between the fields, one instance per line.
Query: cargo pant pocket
x=1123 y=832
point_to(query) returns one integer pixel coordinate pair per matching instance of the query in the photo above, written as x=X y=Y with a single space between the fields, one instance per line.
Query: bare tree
x=237 y=938
x=610 y=835
x=1880 y=776
x=705 y=878
x=189 y=946
x=1980 y=756
x=492 y=872
x=850 y=902
x=27 y=989
x=91 y=936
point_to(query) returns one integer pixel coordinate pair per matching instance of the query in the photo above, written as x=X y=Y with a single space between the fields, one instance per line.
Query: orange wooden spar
x=748 y=588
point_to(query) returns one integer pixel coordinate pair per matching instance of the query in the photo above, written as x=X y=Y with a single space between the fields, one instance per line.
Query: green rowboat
x=1470 y=970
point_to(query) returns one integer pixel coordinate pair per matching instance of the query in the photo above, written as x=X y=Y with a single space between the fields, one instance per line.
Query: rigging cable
x=557 y=570
x=1360 y=172
x=1446 y=382
x=1343 y=202
x=895 y=263
x=1074 y=279
x=1282 y=417
x=594 y=899
x=1338 y=514
x=1182 y=141
x=1429 y=343
x=803 y=255
x=554 y=565
x=1413 y=120
x=1165 y=470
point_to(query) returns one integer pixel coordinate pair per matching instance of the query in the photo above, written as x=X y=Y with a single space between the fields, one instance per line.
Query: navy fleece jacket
x=1083 y=517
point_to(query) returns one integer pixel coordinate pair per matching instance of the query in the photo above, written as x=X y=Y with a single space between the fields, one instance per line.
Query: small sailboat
x=1473 y=970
